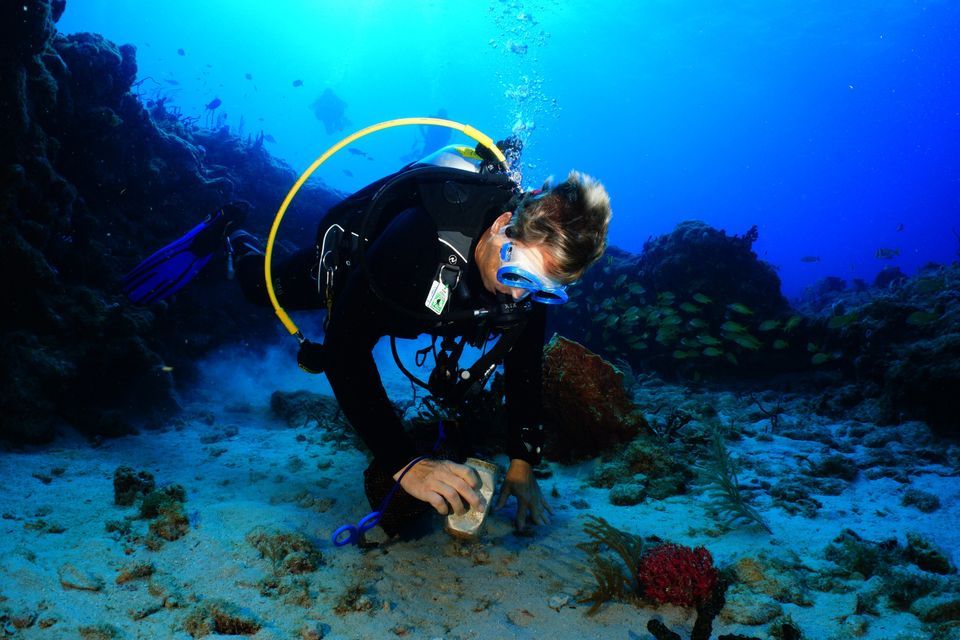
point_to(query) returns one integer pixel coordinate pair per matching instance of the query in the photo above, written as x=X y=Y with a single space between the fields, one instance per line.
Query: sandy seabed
x=242 y=469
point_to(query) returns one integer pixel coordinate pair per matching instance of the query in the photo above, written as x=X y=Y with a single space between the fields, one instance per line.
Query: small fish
x=348 y=172
x=702 y=299
x=680 y=355
x=697 y=323
x=689 y=308
x=740 y=308
x=900 y=227
x=812 y=348
x=298 y=83
x=672 y=320
x=733 y=327
x=636 y=289
x=170 y=81
x=269 y=138
x=731 y=358
x=248 y=76
x=779 y=345
x=181 y=52
x=666 y=335
x=713 y=352
x=920 y=318
x=213 y=104
x=837 y=322
x=887 y=254
x=820 y=358
x=689 y=343
x=708 y=340
x=166 y=368
x=768 y=325
x=598 y=284
x=810 y=259
x=792 y=323
x=357 y=152
x=620 y=280
x=746 y=341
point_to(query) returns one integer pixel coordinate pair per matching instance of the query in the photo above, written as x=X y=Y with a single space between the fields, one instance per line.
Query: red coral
x=674 y=574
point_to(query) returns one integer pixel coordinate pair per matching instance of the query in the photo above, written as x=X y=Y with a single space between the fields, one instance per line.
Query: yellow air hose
x=399 y=122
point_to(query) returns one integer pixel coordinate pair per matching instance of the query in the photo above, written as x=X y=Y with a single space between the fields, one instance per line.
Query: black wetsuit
x=403 y=261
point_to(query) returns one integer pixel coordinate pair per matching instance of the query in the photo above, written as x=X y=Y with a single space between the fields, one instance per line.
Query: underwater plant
x=612 y=582
x=772 y=414
x=724 y=488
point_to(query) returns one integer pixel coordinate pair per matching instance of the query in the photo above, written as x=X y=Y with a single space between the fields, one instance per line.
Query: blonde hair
x=570 y=220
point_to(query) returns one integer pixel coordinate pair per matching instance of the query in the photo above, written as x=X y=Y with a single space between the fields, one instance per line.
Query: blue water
x=829 y=125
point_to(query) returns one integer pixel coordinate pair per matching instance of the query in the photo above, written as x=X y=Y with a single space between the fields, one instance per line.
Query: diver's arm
x=355 y=380
x=523 y=377
x=524 y=380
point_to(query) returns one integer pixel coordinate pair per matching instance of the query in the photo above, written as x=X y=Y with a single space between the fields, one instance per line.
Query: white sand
x=429 y=587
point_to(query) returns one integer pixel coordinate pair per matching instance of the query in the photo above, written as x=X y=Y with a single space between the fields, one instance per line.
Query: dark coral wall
x=91 y=181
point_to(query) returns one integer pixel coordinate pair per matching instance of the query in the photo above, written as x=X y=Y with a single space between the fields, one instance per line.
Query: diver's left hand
x=521 y=483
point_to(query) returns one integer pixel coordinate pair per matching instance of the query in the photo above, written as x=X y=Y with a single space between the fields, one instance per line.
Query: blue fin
x=169 y=269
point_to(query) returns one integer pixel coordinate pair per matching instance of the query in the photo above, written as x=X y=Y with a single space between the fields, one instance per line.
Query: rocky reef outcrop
x=899 y=345
x=586 y=402
x=92 y=180
x=694 y=301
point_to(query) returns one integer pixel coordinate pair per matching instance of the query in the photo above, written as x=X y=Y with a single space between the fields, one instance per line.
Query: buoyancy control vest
x=459 y=203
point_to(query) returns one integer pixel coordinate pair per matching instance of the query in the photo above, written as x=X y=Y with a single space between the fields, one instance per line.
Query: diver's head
x=548 y=241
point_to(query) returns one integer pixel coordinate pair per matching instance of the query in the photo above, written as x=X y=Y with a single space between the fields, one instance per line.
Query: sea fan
x=720 y=475
x=612 y=582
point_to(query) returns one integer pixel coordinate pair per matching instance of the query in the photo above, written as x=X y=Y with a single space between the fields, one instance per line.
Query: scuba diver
x=448 y=246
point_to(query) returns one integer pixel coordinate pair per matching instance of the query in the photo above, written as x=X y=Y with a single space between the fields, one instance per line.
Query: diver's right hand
x=443 y=484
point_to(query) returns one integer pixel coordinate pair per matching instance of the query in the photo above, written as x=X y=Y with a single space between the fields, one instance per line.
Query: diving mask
x=519 y=269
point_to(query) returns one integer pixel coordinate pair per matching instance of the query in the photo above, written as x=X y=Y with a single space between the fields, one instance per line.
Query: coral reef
x=922 y=500
x=673 y=574
x=585 y=402
x=128 y=485
x=288 y=553
x=92 y=179
x=221 y=617
x=694 y=302
x=297 y=408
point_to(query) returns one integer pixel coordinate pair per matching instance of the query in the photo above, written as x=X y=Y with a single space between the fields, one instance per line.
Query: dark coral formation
x=699 y=305
x=128 y=485
x=900 y=345
x=585 y=401
x=288 y=553
x=221 y=617
x=695 y=302
x=91 y=181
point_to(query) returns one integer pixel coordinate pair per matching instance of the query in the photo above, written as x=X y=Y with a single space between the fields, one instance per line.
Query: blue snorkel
x=354 y=533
